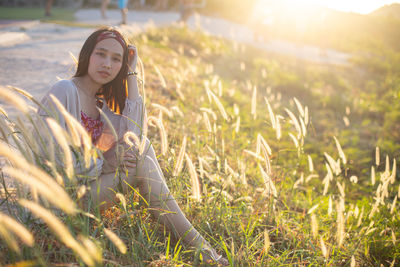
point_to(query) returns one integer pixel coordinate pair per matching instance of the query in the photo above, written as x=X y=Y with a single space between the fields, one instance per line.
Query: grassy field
x=35 y=13
x=285 y=174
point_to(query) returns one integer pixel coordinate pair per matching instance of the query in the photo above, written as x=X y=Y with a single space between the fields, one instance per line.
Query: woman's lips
x=104 y=74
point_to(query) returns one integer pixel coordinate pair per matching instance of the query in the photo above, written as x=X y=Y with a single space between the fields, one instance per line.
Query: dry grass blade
x=116 y=240
x=12 y=99
x=18 y=229
x=179 y=162
x=59 y=229
x=194 y=179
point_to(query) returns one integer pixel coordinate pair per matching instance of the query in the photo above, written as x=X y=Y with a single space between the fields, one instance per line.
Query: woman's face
x=105 y=61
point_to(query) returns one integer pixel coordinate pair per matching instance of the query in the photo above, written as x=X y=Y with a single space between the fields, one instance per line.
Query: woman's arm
x=133 y=90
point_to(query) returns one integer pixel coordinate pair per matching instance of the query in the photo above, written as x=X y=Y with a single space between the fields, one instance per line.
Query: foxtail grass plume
x=62 y=200
x=60 y=135
x=294 y=139
x=312 y=209
x=306 y=116
x=341 y=153
x=59 y=229
x=254 y=103
x=295 y=122
x=50 y=189
x=335 y=167
x=372 y=175
x=330 y=208
x=269 y=185
x=17 y=229
x=303 y=126
x=93 y=251
x=218 y=103
x=393 y=205
x=346 y=121
x=267 y=242
x=271 y=113
x=160 y=77
x=12 y=99
x=278 y=128
x=353 y=261
x=163 y=133
x=116 y=241
x=163 y=109
x=262 y=143
x=323 y=248
x=179 y=161
x=340 y=234
x=207 y=122
x=314 y=225
x=393 y=175
x=132 y=140
x=299 y=107
x=251 y=153
x=310 y=164
x=209 y=111
x=237 y=124
x=353 y=179
x=377 y=156
x=196 y=192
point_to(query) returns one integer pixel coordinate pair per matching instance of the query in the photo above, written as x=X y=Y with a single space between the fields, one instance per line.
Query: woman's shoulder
x=63 y=89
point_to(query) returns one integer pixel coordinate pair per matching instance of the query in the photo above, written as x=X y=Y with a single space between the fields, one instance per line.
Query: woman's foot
x=211 y=257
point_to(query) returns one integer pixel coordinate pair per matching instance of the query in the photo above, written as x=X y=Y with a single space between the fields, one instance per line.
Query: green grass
x=34 y=13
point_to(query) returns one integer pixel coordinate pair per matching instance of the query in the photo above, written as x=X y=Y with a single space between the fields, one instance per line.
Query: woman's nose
x=107 y=63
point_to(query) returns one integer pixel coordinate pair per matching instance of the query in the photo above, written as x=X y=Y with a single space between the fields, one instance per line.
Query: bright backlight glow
x=357 y=6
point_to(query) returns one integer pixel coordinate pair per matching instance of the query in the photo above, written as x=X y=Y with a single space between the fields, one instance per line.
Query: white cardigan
x=132 y=119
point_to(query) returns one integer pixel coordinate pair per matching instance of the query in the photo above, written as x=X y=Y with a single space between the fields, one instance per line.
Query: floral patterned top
x=93 y=126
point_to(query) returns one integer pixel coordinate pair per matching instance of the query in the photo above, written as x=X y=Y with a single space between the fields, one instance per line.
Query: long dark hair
x=116 y=91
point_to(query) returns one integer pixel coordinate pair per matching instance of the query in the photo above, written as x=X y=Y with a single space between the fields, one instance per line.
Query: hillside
x=392 y=11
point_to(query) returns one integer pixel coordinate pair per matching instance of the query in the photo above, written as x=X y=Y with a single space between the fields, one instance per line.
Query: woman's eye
x=100 y=53
x=116 y=59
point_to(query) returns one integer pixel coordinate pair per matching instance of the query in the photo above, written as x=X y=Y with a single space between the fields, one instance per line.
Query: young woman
x=106 y=80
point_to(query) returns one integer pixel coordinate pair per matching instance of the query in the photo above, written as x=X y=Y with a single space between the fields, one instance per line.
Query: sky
x=357 y=6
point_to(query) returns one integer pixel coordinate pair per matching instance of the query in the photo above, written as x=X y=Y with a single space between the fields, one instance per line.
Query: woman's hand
x=132 y=57
x=129 y=160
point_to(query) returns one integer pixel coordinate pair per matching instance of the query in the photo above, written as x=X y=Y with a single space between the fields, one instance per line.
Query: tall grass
x=239 y=159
